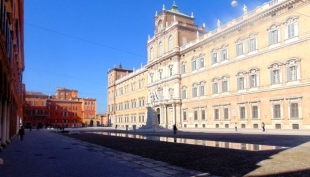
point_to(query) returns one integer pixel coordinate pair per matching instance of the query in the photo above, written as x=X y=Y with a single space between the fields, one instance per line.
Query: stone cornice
x=236 y=24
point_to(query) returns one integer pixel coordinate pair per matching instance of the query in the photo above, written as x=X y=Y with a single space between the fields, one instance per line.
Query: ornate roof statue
x=245 y=9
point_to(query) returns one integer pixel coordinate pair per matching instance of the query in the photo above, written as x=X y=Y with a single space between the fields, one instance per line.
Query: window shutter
x=296 y=72
x=237 y=54
x=288 y=74
x=249 y=45
x=271 y=77
x=212 y=88
x=287 y=31
x=238 y=83
x=222 y=56
x=270 y=37
x=193 y=92
x=251 y=82
x=192 y=65
x=212 y=60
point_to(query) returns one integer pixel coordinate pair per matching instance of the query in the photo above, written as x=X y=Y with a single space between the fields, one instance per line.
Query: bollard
x=1 y=161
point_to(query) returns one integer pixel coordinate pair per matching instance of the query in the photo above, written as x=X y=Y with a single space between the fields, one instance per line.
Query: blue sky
x=73 y=43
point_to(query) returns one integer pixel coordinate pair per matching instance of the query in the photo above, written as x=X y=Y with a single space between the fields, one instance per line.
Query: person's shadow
x=175 y=139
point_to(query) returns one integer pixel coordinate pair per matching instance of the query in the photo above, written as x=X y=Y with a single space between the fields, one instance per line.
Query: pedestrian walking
x=175 y=129
x=263 y=126
x=236 y=127
x=21 y=133
x=30 y=128
x=115 y=127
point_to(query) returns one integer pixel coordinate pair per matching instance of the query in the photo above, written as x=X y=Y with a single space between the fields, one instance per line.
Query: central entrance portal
x=158 y=115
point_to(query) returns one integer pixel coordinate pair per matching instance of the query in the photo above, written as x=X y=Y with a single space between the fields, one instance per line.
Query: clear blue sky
x=73 y=43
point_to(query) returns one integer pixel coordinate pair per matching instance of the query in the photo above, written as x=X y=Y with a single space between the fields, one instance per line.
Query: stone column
x=174 y=114
x=165 y=116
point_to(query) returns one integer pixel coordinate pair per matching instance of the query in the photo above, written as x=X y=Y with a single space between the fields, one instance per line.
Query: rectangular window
x=170 y=71
x=202 y=90
x=216 y=114
x=239 y=49
x=224 y=55
x=226 y=115
x=242 y=112
x=183 y=94
x=252 y=45
x=214 y=58
x=294 y=110
x=276 y=111
x=275 y=77
x=253 y=81
x=195 y=115
x=193 y=65
x=215 y=88
x=184 y=116
x=224 y=86
x=203 y=114
x=273 y=37
x=292 y=73
x=183 y=69
x=290 y=30
x=241 y=83
x=202 y=62
x=160 y=75
x=194 y=92
x=254 y=112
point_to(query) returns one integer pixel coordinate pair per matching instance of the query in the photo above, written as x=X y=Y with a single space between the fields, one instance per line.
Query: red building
x=64 y=109
x=89 y=111
x=11 y=68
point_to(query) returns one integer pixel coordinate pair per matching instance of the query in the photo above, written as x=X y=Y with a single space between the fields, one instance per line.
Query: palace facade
x=250 y=71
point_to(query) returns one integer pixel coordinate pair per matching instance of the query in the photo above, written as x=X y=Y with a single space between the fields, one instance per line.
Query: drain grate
x=38 y=154
x=67 y=148
x=52 y=157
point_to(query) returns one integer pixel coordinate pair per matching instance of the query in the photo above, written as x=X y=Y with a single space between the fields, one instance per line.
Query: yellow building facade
x=250 y=71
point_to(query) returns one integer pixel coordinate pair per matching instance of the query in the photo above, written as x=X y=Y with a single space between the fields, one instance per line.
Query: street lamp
x=234 y=3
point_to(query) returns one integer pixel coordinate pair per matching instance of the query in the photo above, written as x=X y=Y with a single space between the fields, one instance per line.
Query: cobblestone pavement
x=48 y=154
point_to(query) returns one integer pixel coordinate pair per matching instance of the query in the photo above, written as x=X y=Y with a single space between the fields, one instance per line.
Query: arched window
x=160 y=26
x=160 y=47
x=152 y=53
x=170 y=42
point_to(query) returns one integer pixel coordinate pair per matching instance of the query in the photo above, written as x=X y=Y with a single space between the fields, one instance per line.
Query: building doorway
x=28 y=125
x=158 y=115
x=39 y=125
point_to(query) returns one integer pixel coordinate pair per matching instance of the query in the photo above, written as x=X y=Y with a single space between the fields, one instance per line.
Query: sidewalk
x=45 y=153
